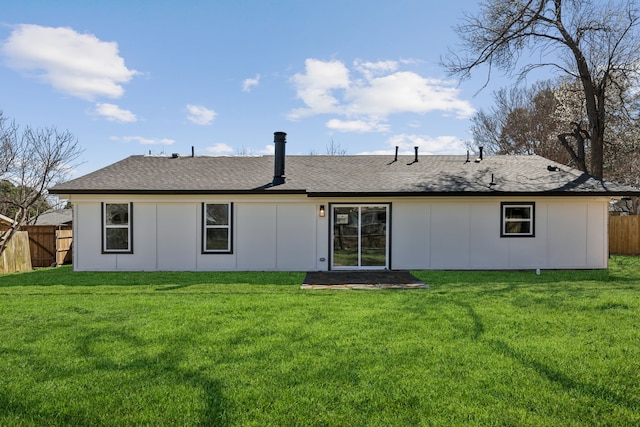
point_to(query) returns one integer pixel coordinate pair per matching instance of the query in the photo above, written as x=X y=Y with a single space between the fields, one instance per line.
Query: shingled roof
x=340 y=176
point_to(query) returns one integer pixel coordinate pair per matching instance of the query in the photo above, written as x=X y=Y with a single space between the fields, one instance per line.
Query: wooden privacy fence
x=16 y=256
x=624 y=235
x=49 y=245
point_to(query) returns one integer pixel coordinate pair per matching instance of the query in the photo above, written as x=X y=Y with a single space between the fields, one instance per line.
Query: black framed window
x=217 y=228
x=117 y=236
x=517 y=219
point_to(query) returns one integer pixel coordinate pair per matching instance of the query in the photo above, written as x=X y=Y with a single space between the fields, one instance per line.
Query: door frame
x=359 y=205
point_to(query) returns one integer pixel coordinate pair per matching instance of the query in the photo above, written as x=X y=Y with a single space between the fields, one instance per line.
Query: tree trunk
x=597 y=131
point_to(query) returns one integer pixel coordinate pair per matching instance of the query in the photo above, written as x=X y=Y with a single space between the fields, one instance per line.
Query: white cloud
x=405 y=92
x=267 y=150
x=427 y=145
x=220 y=148
x=317 y=85
x=248 y=84
x=359 y=126
x=76 y=64
x=372 y=69
x=143 y=140
x=200 y=115
x=115 y=114
x=378 y=90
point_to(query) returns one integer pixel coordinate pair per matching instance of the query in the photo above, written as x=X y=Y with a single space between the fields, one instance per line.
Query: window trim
x=504 y=220
x=205 y=227
x=129 y=227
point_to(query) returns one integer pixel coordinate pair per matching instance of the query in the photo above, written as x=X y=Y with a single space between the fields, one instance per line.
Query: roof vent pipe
x=395 y=159
x=481 y=148
x=279 y=139
x=415 y=160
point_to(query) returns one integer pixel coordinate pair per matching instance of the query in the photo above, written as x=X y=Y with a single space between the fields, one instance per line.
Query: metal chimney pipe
x=279 y=139
x=481 y=148
x=395 y=159
x=416 y=159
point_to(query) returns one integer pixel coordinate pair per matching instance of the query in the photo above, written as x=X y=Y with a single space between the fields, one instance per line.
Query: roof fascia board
x=170 y=192
x=479 y=194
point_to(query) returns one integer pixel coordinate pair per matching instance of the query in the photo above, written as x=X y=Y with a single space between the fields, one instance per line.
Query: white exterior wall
x=167 y=235
x=465 y=234
x=287 y=234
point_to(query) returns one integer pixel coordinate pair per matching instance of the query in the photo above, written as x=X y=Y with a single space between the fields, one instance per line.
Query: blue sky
x=133 y=77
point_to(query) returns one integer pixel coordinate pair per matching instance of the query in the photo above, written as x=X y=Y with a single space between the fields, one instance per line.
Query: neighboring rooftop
x=342 y=176
x=55 y=217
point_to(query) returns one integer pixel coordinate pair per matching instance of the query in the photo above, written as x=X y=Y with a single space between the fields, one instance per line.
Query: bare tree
x=8 y=133
x=335 y=149
x=522 y=121
x=596 y=43
x=532 y=120
x=37 y=159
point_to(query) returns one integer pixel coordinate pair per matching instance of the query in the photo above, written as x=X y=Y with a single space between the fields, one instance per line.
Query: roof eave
x=171 y=192
x=335 y=194
x=476 y=194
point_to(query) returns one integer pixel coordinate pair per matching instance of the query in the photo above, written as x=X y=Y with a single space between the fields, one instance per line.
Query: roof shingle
x=342 y=176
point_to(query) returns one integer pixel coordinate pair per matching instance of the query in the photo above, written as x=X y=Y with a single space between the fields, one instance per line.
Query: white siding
x=450 y=229
x=295 y=244
x=87 y=240
x=144 y=240
x=410 y=235
x=256 y=236
x=288 y=234
x=177 y=236
x=597 y=237
x=465 y=234
x=322 y=237
x=485 y=248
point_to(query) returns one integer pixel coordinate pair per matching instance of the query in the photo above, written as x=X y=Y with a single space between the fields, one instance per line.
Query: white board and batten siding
x=462 y=234
x=287 y=234
x=167 y=236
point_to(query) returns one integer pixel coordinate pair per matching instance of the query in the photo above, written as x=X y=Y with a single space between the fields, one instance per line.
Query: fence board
x=47 y=246
x=64 y=239
x=16 y=256
x=624 y=235
x=42 y=241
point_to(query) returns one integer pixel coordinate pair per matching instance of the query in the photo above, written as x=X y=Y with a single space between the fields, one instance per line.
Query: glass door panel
x=359 y=237
x=345 y=236
x=373 y=236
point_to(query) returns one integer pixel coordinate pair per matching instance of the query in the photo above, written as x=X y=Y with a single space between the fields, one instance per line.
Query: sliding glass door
x=359 y=237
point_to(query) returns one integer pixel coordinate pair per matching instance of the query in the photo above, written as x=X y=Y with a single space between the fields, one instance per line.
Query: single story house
x=202 y=213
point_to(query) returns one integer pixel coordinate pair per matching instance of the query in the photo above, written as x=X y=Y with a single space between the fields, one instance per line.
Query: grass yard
x=478 y=348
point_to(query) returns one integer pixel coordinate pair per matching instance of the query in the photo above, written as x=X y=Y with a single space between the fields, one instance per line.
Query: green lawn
x=478 y=348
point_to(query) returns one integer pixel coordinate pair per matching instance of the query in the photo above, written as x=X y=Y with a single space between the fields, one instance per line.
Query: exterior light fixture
x=322 y=211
